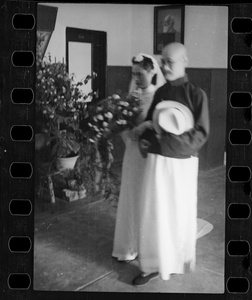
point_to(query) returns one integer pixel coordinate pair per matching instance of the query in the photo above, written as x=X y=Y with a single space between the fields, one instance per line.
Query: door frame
x=98 y=40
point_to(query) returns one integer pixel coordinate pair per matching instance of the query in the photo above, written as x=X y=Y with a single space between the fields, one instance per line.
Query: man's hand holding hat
x=172 y=116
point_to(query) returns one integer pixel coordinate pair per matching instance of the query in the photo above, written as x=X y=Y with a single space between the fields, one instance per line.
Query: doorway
x=86 y=52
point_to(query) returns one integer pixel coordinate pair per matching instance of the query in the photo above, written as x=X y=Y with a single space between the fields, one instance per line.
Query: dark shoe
x=141 y=279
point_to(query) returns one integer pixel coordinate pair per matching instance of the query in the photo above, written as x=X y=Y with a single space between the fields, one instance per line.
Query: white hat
x=173 y=117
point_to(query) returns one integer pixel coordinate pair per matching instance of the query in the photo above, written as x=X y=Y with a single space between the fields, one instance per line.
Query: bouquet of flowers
x=113 y=115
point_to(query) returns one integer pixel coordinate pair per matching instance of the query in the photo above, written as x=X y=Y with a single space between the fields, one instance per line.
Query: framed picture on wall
x=43 y=38
x=168 y=26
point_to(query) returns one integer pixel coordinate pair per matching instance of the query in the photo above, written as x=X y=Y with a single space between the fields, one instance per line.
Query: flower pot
x=63 y=163
x=70 y=195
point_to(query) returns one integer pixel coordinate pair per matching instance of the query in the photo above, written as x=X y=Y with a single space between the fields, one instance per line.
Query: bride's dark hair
x=147 y=64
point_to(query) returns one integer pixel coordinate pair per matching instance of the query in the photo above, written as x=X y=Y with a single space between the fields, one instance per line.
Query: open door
x=86 y=52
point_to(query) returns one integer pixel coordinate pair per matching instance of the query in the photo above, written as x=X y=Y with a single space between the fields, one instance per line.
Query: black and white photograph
x=130 y=148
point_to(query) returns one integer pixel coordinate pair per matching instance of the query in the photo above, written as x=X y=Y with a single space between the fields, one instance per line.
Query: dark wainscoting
x=118 y=79
x=214 y=83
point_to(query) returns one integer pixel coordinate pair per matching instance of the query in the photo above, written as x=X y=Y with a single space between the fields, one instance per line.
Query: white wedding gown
x=126 y=230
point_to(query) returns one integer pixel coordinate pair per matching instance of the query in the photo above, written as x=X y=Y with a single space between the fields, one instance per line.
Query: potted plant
x=65 y=148
x=61 y=104
x=63 y=119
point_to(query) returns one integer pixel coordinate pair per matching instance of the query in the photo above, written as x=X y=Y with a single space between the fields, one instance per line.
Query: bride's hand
x=143 y=147
x=134 y=134
x=146 y=125
x=137 y=131
x=136 y=94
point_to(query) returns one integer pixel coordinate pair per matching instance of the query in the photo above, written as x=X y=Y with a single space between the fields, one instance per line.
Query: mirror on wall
x=80 y=62
x=86 y=53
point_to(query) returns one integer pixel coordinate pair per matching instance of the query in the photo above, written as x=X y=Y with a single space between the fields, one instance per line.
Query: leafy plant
x=63 y=115
x=65 y=143
x=61 y=104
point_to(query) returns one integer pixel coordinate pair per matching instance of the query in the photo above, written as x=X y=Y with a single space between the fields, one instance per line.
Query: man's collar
x=179 y=81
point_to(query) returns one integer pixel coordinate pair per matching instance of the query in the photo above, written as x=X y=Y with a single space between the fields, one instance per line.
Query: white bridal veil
x=160 y=79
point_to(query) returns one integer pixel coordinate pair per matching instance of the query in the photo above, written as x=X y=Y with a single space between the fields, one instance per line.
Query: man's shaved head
x=174 y=61
x=174 y=51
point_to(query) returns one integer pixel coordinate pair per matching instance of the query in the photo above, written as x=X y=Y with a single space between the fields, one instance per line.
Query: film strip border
x=239 y=161
x=17 y=82
x=18 y=48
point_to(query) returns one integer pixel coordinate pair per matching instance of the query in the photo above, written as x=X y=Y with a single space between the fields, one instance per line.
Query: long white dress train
x=125 y=245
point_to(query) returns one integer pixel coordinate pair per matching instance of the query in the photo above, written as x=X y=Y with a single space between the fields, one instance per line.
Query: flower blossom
x=87 y=100
x=124 y=103
x=115 y=96
x=100 y=117
x=121 y=122
x=109 y=115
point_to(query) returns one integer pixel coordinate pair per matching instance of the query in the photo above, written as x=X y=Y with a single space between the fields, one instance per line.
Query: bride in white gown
x=146 y=78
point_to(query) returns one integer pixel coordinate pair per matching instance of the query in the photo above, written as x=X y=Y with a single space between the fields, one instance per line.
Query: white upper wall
x=141 y=38
x=115 y=19
x=129 y=30
x=206 y=36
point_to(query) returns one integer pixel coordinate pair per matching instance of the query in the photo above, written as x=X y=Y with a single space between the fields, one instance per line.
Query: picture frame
x=168 y=26
x=43 y=39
